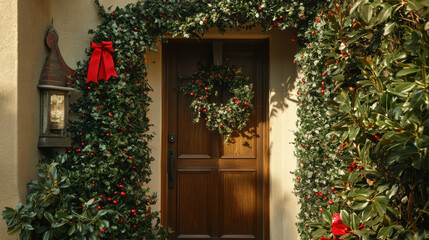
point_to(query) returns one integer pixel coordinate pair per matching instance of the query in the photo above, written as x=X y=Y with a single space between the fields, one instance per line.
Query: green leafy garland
x=95 y=190
x=319 y=164
x=206 y=84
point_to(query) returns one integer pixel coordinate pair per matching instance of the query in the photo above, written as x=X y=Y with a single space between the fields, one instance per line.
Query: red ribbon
x=101 y=65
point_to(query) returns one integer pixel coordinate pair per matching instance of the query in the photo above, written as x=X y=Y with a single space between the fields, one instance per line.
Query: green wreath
x=206 y=84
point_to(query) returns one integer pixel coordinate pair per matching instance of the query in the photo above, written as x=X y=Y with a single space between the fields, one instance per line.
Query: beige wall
x=72 y=19
x=33 y=21
x=8 y=107
x=23 y=26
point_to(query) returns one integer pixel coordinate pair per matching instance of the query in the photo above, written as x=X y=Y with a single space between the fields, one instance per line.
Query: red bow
x=338 y=227
x=101 y=65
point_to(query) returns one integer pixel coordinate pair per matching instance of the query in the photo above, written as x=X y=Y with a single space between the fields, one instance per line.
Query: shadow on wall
x=281 y=94
x=284 y=206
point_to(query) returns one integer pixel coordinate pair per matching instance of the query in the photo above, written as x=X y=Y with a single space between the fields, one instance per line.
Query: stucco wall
x=23 y=27
x=34 y=18
x=8 y=106
x=72 y=19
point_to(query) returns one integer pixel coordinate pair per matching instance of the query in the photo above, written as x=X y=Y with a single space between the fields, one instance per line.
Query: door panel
x=219 y=190
x=238 y=203
x=193 y=202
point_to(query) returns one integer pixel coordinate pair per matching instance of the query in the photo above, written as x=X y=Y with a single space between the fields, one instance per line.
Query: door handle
x=170 y=168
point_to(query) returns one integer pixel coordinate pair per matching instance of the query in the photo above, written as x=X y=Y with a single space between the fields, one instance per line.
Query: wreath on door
x=205 y=90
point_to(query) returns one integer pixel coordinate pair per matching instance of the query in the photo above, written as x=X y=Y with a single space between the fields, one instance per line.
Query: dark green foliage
x=379 y=59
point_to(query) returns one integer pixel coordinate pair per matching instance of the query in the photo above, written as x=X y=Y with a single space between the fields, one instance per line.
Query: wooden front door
x=212 y=190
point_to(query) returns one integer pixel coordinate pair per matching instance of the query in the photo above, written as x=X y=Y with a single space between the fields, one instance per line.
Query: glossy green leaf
x=414 y=5
x=389 y=28
x=380 y=204
x=47 y=235
x=48 y=217
x=384 y=232
x=366 y=12
x=407 y=71
x=345 y=217
x=358 y=206
x=71 y=230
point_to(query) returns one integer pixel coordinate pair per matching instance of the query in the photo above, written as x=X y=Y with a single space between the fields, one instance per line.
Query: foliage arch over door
x=94 y=190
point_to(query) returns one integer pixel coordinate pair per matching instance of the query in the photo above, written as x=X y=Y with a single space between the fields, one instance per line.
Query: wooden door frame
x=164 y=139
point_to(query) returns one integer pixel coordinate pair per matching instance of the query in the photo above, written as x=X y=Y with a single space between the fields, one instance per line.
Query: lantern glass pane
x=57 y=112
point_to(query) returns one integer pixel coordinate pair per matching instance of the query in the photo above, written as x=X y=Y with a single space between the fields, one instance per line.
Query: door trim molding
x=265 y=142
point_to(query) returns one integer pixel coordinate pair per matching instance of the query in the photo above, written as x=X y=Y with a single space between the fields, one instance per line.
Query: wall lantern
x=54 y=97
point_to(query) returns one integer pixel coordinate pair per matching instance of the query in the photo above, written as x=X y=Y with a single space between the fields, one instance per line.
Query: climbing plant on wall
x=98 y=189
x=319 y=164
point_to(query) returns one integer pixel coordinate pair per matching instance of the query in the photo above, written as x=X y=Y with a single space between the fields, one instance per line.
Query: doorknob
x=170 y=168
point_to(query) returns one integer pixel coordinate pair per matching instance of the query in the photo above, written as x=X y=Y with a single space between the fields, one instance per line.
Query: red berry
x=320 y=209
x=323 y=74
x=377 y=137
x=93 y=185
x=322 y=91
x=99 y=207
x=299 y=178
x=121 y=186
x=115 y=202
x=330 y=202
x=123 y=193
x=192 y=94
x=332 y=188
x=102 y=230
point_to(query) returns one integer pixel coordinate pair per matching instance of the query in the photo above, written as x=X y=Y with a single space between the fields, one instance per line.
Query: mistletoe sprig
x=205 y=87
